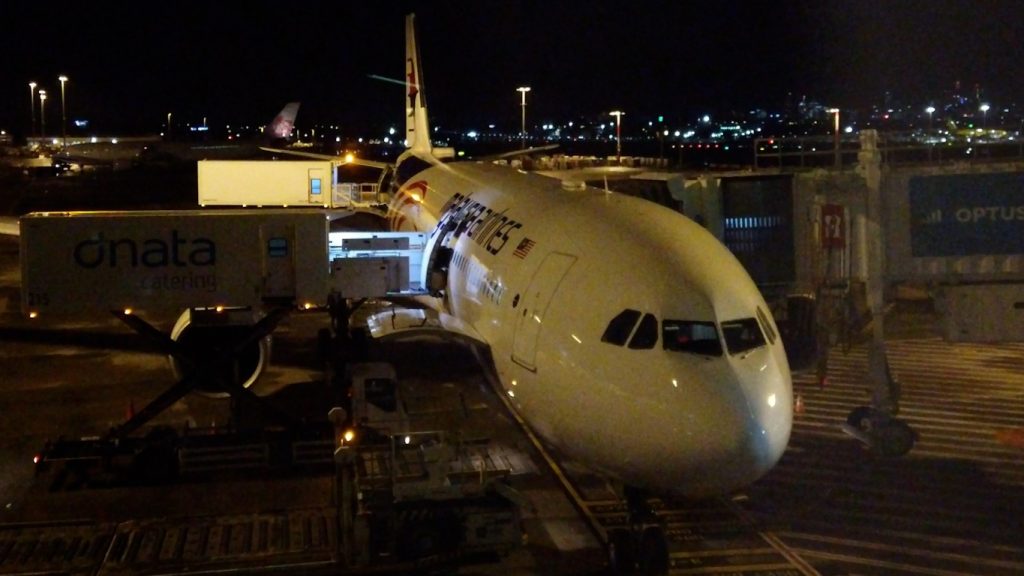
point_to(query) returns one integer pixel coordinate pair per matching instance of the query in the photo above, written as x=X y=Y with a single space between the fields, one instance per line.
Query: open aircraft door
x=538 y=296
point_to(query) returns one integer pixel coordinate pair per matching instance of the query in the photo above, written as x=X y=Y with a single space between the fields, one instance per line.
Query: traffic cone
x=1012 y=437
x=798 y=406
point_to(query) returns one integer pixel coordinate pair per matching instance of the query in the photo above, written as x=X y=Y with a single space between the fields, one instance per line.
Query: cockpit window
x=688 y=336
x=742 y=335
x=620 y=327
x=646 y=334
x=766 y=325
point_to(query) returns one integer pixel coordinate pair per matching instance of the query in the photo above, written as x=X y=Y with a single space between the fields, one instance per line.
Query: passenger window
x=646 y=334
x=766 y=325
x=620 y=327
x=742 y=335
x=694 y=337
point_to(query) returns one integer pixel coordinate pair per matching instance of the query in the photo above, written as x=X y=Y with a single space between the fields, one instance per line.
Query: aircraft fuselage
x=623 y=333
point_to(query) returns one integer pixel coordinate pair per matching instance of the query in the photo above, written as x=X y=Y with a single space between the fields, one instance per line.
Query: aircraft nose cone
x=738 y=436
x=767 y=387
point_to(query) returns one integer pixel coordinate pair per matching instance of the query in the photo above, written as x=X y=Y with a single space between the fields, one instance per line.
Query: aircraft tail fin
x=283 y=124
x=417 y=129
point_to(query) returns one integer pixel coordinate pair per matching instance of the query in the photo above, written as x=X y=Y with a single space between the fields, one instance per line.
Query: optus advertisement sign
x=967 y=214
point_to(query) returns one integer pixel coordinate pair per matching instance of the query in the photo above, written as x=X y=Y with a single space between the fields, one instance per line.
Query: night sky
x=130 y=63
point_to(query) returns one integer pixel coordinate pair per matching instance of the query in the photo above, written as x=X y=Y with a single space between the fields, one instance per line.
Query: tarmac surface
x=953 y=506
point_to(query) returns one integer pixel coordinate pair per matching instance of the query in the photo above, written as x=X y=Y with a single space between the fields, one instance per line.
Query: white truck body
x=78 y=263
x=284 y=183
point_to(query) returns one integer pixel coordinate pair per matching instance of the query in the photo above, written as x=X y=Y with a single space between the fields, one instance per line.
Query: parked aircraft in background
x=122 y=153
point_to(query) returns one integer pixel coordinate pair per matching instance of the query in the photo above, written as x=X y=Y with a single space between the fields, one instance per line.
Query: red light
x=35 y=459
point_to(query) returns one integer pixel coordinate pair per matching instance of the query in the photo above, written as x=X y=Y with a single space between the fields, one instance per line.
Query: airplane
x=118 y=155
x=283 y=125
x=112 y=153
x=621 y=332
x=972 y=133
x=587 y=299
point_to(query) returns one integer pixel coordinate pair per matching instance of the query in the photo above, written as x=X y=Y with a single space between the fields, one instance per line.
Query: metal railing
x=895 y=147
x=359 y=194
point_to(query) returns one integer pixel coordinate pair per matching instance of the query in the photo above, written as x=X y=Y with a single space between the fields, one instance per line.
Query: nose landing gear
x=642 y=547
x=888 y=436
x=876 y=426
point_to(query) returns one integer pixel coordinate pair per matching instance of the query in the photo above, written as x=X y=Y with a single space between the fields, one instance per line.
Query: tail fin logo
x=284 y=123
x=411 y=81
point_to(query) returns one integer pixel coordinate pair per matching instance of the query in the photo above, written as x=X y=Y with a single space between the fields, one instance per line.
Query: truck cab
x=376 y=399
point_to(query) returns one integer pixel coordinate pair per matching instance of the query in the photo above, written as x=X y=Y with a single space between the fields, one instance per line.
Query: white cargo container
x=267 y=183
x=76 y=263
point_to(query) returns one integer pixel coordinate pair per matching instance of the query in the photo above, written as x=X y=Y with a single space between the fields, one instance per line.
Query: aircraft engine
x=210 y=335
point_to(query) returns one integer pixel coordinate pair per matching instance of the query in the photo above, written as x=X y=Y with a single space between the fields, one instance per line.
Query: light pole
x=835 y=137
x=63 y=111
x=930 y=110
x=618 y=134
x=32 y=106
x=984 y=115
x=42 y=113
x=522 y=130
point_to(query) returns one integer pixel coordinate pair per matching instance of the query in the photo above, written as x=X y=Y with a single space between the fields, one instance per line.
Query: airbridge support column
x=876 y=425
x=870 y=242
x=870 y=228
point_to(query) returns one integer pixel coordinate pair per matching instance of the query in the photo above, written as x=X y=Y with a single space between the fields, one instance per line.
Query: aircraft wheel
x=861 y=418
x=895 y=438
x=621 y=552
x=890 y=437
x=654 y=552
